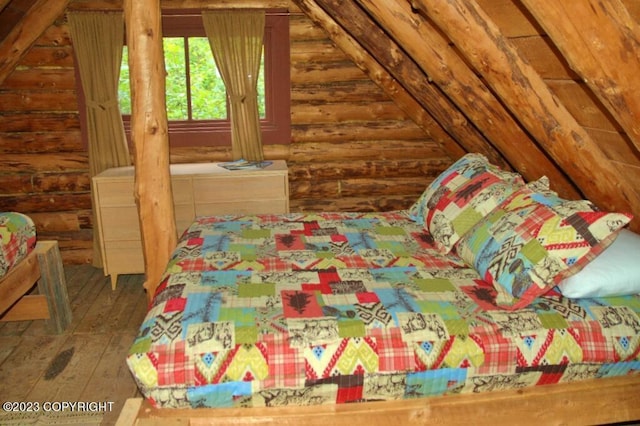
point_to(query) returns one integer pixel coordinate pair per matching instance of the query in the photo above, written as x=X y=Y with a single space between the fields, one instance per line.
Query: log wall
x=351 y=147
x=44 y=170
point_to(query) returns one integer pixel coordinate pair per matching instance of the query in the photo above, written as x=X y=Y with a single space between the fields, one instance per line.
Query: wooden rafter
x=3 y=4
x=601 y=42
x=25 y=32
x=600 y=401
x=530 y=100
x=352 y=20
x=149 y=133
x=455 y=78
x=381 y=77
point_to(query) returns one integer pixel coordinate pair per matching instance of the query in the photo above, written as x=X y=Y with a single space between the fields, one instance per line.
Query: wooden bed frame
x=44 y=267
x=585 y=402
x=601 y=401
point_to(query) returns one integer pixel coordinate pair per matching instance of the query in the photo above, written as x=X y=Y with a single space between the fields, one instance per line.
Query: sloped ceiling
x=507 y=109
x=21 y=23
x=11 y=12
x=448 y=61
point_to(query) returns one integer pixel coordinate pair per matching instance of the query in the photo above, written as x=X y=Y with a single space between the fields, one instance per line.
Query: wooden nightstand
x=199 y=189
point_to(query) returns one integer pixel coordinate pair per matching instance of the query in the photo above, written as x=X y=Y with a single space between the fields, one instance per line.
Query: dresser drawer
x=123 y=257
x=238 y=188
x=120 y=192
x=120 y=223
x=181 y=190
x=185 y=214
x=115 y=192
x=242 y=207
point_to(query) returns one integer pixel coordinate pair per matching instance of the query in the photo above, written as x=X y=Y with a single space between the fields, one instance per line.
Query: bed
x=25 y=263
x=398 y=316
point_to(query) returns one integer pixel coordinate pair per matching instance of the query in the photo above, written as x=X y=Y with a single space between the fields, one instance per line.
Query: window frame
x=276 y=125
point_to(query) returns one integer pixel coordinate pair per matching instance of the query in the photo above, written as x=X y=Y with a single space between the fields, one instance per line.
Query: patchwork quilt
x=17 y=239
x=329 y=308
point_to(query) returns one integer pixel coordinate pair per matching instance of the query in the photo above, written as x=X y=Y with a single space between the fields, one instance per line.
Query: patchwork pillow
x=616 y=272
x=461 y=196
x=534 y=240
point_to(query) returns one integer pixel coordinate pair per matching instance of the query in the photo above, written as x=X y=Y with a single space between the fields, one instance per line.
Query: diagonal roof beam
x=25 y=32
x=529 y=99
x=3 y=4
x=372 y=40
x=601 y=42
x=381 y=77
x=457 y=80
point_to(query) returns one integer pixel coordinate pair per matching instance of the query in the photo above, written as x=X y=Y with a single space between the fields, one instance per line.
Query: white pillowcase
x=615 y=272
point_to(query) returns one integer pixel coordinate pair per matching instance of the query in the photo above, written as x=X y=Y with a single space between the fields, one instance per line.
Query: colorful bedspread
x=335 y=308
x=17 y=239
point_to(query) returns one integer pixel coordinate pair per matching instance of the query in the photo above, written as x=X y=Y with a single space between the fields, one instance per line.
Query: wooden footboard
x=587 y=402
x=44 y=267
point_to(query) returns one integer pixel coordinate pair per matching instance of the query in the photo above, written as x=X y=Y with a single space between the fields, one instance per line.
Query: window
x=195 y=93
x=194 y=87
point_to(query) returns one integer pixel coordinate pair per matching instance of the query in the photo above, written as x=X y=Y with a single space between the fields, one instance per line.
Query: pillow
x=616 y=272
x=461 y=196
x=534 y=240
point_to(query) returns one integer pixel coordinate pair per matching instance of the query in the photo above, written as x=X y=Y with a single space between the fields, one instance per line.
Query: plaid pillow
x=534 y=240
x=461 y=196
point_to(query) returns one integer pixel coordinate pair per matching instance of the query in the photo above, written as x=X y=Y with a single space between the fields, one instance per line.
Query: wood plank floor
x=86 y=362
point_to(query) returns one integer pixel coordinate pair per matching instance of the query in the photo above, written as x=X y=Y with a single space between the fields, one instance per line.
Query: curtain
x=97 y=40
x=236 y=40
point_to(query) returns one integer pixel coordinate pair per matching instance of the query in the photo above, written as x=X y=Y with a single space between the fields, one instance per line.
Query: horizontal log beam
x=46 y=202
x=375 y=169
x=322 y=152
x=341 y=112
x=59 y=162
x=352 y=204
x=30 y=101
x=30 y=122
x=318 y=92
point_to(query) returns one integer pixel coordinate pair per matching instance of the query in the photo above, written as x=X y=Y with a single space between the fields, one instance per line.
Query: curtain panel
x=97 y=41
x=236 y=40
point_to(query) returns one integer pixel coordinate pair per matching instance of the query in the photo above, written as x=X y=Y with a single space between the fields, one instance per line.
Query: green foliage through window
x=194 y=90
